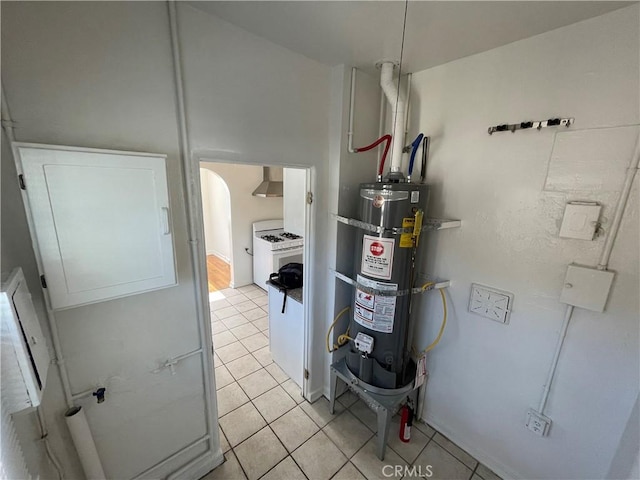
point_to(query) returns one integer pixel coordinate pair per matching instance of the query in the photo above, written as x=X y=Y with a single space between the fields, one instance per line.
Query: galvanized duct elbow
x=398 y=101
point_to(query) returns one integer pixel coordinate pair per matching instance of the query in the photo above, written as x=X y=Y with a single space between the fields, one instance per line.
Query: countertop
x=294 y=293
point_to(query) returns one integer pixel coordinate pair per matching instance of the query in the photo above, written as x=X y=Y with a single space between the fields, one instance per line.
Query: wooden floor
x=218 y=273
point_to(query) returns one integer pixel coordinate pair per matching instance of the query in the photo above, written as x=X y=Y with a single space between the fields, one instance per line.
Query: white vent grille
x=13 y=465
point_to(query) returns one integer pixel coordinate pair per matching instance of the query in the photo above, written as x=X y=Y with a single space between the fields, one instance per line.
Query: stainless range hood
x=271 y=185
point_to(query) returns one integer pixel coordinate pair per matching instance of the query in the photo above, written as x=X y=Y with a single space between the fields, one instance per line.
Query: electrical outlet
x=490 y=303
x=537 y=423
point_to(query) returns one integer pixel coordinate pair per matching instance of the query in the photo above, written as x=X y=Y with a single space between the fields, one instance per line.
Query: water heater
x=386 y=253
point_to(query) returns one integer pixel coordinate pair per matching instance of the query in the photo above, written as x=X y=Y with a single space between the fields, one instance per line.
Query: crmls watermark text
x=399 y=471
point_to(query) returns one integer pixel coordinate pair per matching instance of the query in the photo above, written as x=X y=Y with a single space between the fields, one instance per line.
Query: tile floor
x=269 y=431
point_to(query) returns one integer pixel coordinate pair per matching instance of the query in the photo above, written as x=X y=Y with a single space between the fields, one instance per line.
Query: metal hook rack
x=538 y=125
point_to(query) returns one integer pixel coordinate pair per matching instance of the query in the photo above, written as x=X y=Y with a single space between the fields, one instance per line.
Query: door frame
x=193 y=176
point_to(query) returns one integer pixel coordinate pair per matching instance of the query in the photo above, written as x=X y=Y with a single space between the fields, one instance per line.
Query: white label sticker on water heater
x=377 y=257
x=375 y=312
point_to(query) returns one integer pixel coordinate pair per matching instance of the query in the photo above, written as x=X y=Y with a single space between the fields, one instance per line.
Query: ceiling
x=359 y=33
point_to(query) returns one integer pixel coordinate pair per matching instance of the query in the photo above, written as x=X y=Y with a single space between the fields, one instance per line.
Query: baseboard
x=219 y=255
x=203 y=465
x=501 y=470
x=316 y=394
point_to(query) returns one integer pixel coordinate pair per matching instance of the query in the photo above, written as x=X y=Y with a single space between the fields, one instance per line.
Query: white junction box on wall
x=580 y=220
x=586 y=287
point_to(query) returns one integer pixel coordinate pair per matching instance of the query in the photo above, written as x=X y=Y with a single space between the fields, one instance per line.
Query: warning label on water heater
x=375 y=312
x=377 y=257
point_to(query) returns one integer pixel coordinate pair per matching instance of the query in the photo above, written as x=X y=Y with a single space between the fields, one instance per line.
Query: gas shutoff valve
x=364 y=343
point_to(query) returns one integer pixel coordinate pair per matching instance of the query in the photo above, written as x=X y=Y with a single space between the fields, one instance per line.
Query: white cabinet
x=295 y=199
x=286 y=334
x=99 y=220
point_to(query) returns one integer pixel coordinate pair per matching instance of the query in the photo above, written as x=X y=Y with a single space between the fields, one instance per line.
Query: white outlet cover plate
x=537 y=422
x=490 y=303
x=580 y=220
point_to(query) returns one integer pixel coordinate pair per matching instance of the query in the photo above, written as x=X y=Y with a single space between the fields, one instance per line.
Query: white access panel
x=25 y=358
x=99 y=220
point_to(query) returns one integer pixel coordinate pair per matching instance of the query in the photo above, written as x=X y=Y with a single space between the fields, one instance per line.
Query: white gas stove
x=272 y=249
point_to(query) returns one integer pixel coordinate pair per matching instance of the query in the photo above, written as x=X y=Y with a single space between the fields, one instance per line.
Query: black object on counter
x=287 y=278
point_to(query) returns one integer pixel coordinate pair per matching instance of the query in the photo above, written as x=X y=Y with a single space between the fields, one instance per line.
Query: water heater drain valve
x=364 y=343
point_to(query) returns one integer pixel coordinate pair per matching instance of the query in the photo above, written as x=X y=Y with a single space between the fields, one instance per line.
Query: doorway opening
x=259 y=335
x=216 y=216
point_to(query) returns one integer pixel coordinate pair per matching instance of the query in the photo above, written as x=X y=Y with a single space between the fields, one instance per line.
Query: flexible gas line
x=342 y=339
x=444 y=321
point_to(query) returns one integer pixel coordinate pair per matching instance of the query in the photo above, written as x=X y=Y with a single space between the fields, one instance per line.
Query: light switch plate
x=580 y=220
x=586 y=287
x=490 y=303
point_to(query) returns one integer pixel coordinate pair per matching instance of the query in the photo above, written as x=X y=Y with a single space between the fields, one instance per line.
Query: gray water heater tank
x=383 y=262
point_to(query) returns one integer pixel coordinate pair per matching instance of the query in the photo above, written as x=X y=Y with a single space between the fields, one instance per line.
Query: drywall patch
x=591 y=160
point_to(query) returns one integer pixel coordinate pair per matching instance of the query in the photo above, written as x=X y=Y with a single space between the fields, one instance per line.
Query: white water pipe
x=352 y=105
x=85 y=446
x=398 y=102
x=620 y=207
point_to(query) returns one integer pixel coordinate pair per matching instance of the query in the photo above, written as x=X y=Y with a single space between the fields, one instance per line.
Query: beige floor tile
x=367 y=461
x=248 y=288
x=455 y=450
x=476 y=477
x=348 y=433
x=216 y=360
x=348 y=472
x=348 y=398
x=263 y=356
x=266 y=333
x=230 y=398
x=236 y=299
x=218 y=305
x=261 y=301
x=285 y=470
x=229 y=470
x=255 y=342
x=243 y=366
x=261 y=324
x=241 y=423
x=265 y=308
x=254 y=314
x=260 y=453
x=246 y=306
x=276 y=372
x=230 y=292
x=235 y=321
x=319 y=458
x=293 y=390
x=257 y=383
x=223 y=377
x=409 y=450
x=365 y=415
x=224 y=443
x=486 y=473
x=444 y=466
x=243 y=331
x=223 y=338
x=424 y=428
x=274 y=403
x=294 y=428
x=226 y=312
x=319 y=411
x=218 y=327
x=256 y=294
x=230 y=352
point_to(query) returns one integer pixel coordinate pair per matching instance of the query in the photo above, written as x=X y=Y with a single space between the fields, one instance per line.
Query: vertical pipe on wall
x=198 y=258
x=83 y=441
x=352 y=106
x=8 y=125
x=620 y=207
x=397 y=99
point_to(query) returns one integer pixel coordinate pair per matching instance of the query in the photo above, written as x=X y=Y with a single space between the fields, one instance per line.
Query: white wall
x=216 y=214
x=294 y=199
x=99 y=74
x=242 y=180
x=510 y=191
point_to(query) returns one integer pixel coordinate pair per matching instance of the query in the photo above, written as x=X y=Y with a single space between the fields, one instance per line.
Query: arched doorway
x=216 y=215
